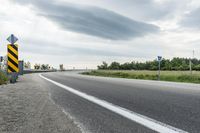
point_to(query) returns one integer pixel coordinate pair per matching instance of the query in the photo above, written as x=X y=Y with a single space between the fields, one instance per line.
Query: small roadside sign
x=13 y=58
x=12 y=61
x=159 y=58
x=12 y=39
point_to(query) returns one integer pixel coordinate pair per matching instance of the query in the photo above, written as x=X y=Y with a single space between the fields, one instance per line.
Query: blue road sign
x=12 y=39
x=159 y=58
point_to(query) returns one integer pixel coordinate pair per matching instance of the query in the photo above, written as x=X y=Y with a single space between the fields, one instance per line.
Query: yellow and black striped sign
x=13 y=58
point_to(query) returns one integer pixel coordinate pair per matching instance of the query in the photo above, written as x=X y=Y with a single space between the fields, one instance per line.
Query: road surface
x=174 y=106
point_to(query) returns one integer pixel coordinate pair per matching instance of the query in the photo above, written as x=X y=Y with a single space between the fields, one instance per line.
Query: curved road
x=173 y=104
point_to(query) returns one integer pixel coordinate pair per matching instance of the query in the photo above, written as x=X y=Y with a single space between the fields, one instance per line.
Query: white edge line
x=140 y=119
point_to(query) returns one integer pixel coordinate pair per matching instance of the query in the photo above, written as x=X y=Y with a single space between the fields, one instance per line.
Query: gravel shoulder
x=25 y=107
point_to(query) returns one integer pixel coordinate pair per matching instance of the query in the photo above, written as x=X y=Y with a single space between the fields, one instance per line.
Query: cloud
x=48 y=48
x=146 y=9
x=192 y=19
x=91 y=20
x=142 y=10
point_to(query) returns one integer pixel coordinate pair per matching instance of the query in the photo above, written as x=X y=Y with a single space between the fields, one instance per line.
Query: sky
x=84 y=33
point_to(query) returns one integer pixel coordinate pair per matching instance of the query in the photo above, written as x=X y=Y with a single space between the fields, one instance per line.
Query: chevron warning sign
x=13 y=58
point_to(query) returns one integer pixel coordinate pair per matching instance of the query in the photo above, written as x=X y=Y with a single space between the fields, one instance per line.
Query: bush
x=175 y=76
x=3 y=78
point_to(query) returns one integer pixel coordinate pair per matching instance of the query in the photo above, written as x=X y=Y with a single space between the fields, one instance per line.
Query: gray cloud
x=147 y=9
x=92 y=20
x=192 y=19
x=48 y=48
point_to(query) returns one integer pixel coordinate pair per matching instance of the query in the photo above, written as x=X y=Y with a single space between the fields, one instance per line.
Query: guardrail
x=37 y=71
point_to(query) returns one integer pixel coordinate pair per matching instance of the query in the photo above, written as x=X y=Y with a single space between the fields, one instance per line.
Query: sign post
x=12 y=62
x=1 y=63
x=159 y=62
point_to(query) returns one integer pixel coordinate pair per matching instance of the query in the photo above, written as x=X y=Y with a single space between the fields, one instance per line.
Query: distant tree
x=114 y=66
x=37 y=66
x=166 y=64
x=126 y=66
x=27 y=65
x=103 y=66
x=45 y=67
x=197 y=67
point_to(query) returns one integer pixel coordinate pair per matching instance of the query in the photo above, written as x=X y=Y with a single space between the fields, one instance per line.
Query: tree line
x=27 y=65
x=177 y=64
x=42 y=67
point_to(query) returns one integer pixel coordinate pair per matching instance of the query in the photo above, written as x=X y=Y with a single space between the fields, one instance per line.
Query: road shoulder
x=26 y=107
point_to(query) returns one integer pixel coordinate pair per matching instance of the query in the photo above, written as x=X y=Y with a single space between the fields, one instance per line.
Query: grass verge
x=3 y=78
x=174 y=76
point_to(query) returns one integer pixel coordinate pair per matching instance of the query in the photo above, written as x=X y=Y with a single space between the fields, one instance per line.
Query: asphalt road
x=174 y=104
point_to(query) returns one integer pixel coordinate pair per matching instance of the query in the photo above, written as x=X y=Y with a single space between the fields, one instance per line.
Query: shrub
x=3 y=78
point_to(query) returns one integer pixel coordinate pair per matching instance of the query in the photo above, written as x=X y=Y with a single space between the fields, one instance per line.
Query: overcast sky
x=84 y=33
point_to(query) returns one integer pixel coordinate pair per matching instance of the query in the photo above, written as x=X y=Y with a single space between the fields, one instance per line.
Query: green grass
x=3 y=78
x=175 y=76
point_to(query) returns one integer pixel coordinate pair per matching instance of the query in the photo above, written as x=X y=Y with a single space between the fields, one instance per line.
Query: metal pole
x=190 y=66
x=13 y=77
x=191 y=62
x=193 y=54
x=159 y=70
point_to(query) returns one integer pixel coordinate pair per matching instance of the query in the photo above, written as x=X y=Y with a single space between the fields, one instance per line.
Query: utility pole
x=193 y=54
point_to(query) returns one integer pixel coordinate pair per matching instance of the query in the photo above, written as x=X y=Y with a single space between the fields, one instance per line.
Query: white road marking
x=140 y=119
